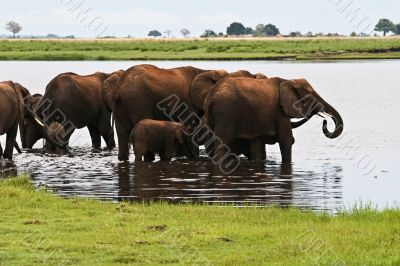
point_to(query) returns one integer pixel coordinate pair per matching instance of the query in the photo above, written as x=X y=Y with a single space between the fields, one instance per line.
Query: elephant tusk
x=327 y=114
x=38 y=121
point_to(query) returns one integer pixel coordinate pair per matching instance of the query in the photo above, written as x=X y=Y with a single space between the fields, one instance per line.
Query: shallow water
x=326 y=174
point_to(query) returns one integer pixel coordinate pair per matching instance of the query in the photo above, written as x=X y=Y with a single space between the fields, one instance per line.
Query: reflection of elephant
x=162 y=137
x=75 y=102
x=266 y=107
x=12 y=97
x=134 y=96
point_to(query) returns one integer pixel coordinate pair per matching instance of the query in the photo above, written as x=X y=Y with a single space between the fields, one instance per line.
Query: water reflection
x=88 y=173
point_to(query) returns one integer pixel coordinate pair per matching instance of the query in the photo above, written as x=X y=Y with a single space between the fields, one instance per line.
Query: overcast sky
x=137 y=18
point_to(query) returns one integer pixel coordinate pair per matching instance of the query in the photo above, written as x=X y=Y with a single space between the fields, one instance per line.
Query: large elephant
x=201 y=87
x=74 y=102
x=252 y=109
x=136 y=93
x=12 y=96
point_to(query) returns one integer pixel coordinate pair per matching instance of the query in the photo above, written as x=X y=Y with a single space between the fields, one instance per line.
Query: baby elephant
x=162 y=137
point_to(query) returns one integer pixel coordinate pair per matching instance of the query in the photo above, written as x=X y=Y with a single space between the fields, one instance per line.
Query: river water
x=361 y=166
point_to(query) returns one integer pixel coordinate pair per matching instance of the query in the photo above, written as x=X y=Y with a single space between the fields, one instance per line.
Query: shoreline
x=41 y=228
x=271 y=49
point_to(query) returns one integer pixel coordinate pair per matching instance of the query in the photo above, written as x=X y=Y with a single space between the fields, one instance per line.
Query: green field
x=37 y=228
x=220 y=49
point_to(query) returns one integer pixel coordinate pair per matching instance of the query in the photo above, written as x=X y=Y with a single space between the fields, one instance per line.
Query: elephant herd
x=169 y=112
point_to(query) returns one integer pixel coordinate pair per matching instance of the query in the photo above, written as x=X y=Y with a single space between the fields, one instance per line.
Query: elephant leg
x=139 y=150
x=210 y=150
x=149 y=157
x=11 y=136
x=162 y=155
x=106 y=130
x=263 y=152
x=109 y=139
x=95 y=136
x=285 y=138
x=123 y=141
x=170 y=150
x=221 y=143
x=256 y=149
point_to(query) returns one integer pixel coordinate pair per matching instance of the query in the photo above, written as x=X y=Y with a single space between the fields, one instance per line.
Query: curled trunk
x=338 y=122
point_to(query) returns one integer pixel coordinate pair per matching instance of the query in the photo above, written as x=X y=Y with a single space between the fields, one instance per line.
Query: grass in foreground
x=221 y=49
x=38 y=228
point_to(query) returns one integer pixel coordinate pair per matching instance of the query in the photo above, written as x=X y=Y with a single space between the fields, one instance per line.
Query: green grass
x=38 y=228
x=221 y=49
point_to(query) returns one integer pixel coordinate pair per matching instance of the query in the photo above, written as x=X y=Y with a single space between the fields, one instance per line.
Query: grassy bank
x=38 y=228
x=221 y=49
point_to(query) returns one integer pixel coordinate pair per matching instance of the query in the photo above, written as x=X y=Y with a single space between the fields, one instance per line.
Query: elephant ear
x=261 y=76
x=292 y=93
x=202 y=85
x=24 y=97
x=109 y=88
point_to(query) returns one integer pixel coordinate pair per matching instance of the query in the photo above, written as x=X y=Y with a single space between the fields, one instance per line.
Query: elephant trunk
x=47 y=132
x=336 y=118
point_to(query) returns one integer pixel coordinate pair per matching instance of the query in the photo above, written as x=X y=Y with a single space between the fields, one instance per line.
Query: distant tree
x=295 y=34
x=13 y=27
x=154 y=33
x=52 y=36
x=310 y=34
x=221 y=34
x=353 y=34
x=259 y=31
x=363 y=34
x=271 y=30
x=248 y=31
x=185 y=32
x=208 y=33
x=397 y=29
x=168 y=33
x=236 y=28
x=384 y=25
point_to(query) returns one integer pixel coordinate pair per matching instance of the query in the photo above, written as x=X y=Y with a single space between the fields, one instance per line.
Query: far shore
x=275 y=48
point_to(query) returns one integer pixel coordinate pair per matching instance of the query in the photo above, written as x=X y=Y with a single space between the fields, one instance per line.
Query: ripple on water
x=98 y=174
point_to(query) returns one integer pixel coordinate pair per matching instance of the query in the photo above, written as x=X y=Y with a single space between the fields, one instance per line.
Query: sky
x=90 y=18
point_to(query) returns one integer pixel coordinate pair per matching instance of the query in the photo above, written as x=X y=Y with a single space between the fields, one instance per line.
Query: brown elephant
x=162 y=137
x=73 y=101
x=136 y=94
x=12 y=96
x=252 y=109
x=201 y=87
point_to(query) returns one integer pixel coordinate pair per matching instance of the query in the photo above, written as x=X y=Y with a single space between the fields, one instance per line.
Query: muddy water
x=326 y=174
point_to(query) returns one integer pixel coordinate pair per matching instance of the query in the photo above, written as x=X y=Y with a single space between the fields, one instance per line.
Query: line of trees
x=238 y=29
x=155 y=33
